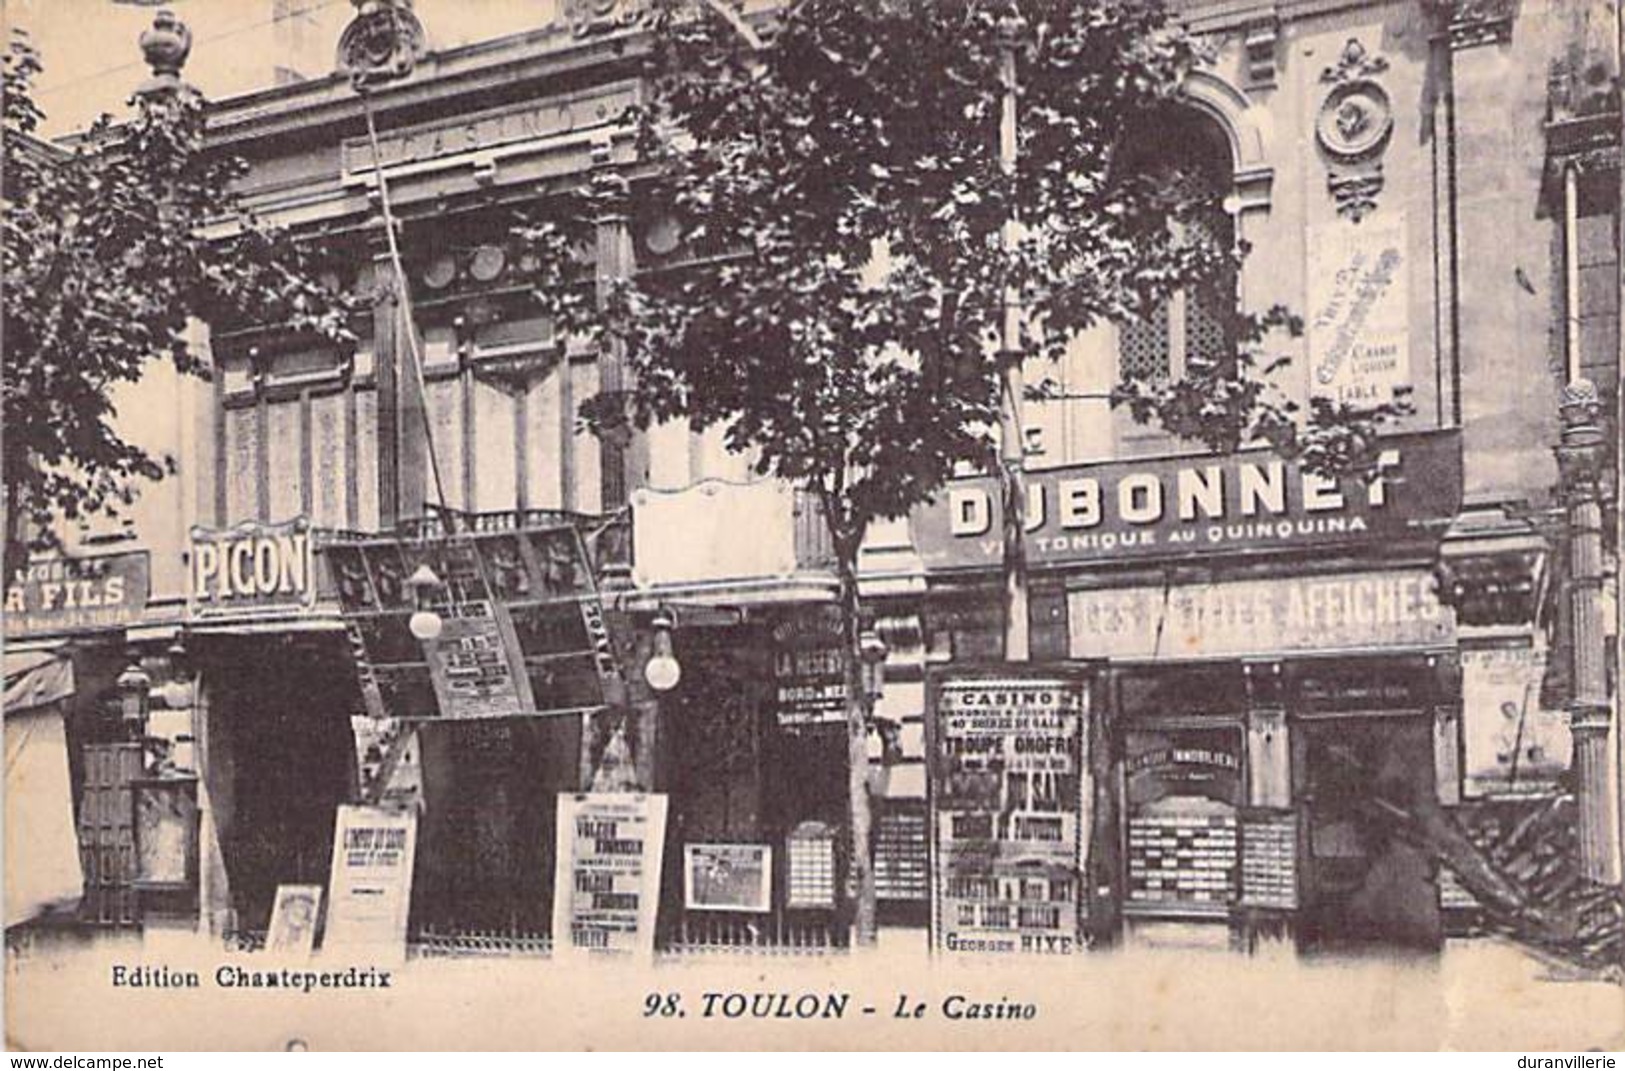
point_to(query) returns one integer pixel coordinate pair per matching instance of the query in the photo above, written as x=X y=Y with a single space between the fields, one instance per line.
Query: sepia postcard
x=813 y=524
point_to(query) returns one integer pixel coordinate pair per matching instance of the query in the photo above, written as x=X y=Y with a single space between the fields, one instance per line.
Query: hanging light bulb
x=177 y=694
x=663 y=671
x=424 y=624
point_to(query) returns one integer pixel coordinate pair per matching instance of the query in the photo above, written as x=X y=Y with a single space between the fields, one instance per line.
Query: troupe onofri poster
x=664 y=524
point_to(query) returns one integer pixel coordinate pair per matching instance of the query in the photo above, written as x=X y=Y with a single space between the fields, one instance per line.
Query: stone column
x=1580 y=459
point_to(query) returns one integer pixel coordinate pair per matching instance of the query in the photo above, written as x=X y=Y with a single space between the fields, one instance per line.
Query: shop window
x=725 y=747
x=295 y=431
x=1183 y=791
x=1364 y=882
x=1185 y=690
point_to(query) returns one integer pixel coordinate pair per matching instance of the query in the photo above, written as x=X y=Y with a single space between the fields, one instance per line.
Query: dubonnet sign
x=1192 y=506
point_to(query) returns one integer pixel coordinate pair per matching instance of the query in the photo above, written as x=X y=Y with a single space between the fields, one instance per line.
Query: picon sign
x=252 y=568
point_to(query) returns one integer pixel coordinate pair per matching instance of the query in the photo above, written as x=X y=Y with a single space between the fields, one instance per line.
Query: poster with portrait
x=728 y=877
x=1512 y=744
x=294 y=914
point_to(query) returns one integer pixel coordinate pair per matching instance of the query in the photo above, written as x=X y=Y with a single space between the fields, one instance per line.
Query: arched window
x=1184 y=150
x=1186 y=153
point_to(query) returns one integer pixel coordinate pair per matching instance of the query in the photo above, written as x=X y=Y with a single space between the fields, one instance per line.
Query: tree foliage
x=110 y=249
x=855 y=239
x=843 y=190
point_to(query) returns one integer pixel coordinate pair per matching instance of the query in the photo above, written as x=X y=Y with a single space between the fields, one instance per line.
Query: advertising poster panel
x=607 y=882
x=371 y=881
x=293 y=921
x=728 y=877
x=1512 y=742
x=1008 y=820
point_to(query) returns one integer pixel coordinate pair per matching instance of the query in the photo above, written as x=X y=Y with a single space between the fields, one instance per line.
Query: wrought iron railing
x=608 y=538
x=776 y=935
x=722 y=935
x=479 y=944
x=434 y=943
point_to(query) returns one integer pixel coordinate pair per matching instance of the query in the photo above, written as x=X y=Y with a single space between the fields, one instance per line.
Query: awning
x=263 y=626
x=41 y=847
x=774 y=591
x=36 y=678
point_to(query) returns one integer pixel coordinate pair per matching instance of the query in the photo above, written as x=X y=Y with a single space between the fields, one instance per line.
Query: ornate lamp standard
x=1581 y=456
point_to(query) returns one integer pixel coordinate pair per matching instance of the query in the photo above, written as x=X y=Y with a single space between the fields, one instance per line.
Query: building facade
x=1260 y=658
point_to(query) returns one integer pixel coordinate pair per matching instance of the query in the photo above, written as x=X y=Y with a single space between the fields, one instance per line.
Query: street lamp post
x=1012 y=480
x=1581 y=456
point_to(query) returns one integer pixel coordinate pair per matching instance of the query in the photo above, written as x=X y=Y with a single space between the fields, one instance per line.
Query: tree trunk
x=858 y=706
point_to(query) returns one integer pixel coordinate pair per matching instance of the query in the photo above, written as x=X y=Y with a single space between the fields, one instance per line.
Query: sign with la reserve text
x=1340 y=611
x=252 y=567
x=809 y=668
x=1200 y=505
x=606 y=884
x=71 y=594
x=1358 y=329
x=1008 y=816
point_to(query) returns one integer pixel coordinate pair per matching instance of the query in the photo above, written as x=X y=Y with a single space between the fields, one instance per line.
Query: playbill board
x=1007 y=790
x=610 y=847
x=371 y=881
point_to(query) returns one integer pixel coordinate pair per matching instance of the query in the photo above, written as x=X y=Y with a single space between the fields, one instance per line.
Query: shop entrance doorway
x=1363 y=885
x=282 y=759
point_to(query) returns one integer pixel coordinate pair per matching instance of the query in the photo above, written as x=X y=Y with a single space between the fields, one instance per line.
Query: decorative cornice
x=587 y=17
x=381 y=44
x=1354 y=64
